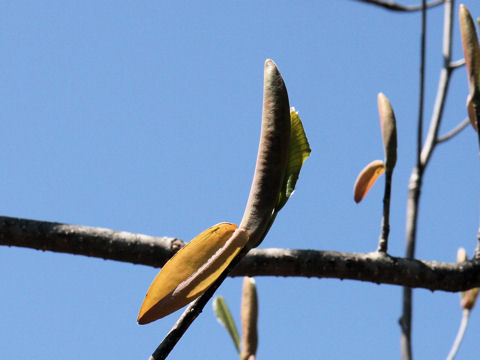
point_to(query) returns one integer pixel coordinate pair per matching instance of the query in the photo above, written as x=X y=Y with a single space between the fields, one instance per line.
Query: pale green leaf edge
x=298 y=152
x=225 y=318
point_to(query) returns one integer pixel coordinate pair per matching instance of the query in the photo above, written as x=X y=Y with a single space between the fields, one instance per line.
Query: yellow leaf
x=191 y=271
x=367 y=178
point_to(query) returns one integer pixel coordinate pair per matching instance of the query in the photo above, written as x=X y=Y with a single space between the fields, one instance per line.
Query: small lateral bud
x=461 y=255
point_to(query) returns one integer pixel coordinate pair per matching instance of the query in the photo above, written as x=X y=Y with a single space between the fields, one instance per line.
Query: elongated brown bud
x=471 y=51
x=249 y=315
x=389 y=131
x=272 y=155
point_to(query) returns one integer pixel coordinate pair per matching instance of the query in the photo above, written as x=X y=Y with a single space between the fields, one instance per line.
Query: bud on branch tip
x=389 y=131
x=471 y=51
x=272 y=155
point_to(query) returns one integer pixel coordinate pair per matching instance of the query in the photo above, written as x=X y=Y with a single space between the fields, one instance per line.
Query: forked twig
x=456 y=130
x=423 y=156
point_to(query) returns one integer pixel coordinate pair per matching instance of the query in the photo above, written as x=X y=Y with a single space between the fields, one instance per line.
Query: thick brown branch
x=155 y=251
x=88 y=241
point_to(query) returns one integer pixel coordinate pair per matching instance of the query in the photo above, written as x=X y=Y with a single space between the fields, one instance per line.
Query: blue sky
x=145 y=117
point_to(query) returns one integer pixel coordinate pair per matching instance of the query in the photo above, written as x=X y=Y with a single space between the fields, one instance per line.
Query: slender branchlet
x=393 y=6
x=385 y=228
x=460 y=334
x=455 y=131
x=413 y=197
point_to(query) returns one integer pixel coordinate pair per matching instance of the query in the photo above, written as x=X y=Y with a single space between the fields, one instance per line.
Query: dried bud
x=249 y=315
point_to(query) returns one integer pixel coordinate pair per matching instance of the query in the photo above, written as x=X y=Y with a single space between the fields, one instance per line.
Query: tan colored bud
x=461 y=255
x=249 y=315
x=471 y=52
x=389 y=131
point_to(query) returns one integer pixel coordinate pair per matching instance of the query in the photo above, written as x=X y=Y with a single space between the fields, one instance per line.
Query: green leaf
x=298 y=152
x=225 y=318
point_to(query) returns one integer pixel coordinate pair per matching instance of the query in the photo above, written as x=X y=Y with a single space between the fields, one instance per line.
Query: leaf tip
x=367 y=177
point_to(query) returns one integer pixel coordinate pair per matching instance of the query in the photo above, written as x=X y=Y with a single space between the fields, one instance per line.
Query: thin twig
x=385 y=228
x=421 y=100
x=391 y=5
x=191 y=313
x=456 y=64
x=476 y=110
x=456 y=130
x=422 y=161
x=443 y=84
x=413 y=200
x=460 y=334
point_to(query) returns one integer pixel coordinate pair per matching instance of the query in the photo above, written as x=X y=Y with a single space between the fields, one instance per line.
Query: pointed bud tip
x=270 y=62
x=461 y=255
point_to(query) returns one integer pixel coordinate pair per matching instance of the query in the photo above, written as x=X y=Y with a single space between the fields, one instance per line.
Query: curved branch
x=456 y=130
x=155 y=251
x=457 y=64
x=393 y=6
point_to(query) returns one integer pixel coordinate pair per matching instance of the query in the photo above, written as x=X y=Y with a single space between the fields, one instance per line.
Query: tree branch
x=454 y=131
x=155 y=251
x=393 y=6
x=88 y=241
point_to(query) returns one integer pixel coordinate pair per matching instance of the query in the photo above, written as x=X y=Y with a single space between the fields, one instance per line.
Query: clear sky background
x=145 y=117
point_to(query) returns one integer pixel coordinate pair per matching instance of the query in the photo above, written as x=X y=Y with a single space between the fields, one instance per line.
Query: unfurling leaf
x=225 y=318
x=471 y=51
x=389 y=131
x=367 y=178
x=192 y=270
x=249 y=315
x=298 y=152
